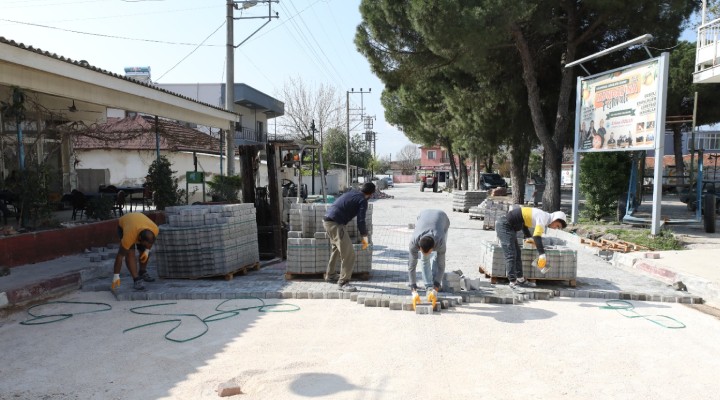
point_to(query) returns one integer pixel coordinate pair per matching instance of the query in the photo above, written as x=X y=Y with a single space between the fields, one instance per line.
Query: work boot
x=526 y=283
x=139 y=286
x=333 y=278
x=146 y=277
x=346 y=287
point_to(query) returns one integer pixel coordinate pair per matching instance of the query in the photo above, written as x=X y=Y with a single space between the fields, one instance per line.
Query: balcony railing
x=249 y=136
x=706 y=53
x=707 y=141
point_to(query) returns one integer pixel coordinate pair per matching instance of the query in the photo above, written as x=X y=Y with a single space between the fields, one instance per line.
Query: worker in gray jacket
x=429 y=239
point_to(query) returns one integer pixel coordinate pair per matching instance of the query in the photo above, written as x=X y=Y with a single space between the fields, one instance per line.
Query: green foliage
x=335 y=145
x=163 y=184
x=665 y=240
x=31 y=187
x=603 y=178
x=225 y=188
x=100 y=207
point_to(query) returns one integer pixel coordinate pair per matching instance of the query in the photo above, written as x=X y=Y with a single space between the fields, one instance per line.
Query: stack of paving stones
x=464 y=200
x=494 y=210
x=308 y=245
x=205 y=241
x=562 y=260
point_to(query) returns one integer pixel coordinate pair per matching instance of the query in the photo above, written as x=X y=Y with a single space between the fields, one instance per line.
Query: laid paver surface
x=391 y=219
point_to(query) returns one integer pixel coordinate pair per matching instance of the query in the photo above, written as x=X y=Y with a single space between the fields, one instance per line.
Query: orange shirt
x=132 y=224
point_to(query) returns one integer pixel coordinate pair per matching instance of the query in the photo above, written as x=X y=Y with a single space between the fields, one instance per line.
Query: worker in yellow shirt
x=524 y=218
x=136 y=231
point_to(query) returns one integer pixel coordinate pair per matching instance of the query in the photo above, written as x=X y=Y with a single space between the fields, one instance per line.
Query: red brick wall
x=30 y=248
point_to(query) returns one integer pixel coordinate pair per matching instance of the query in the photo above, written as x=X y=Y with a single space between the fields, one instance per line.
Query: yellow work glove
x=115 y=282
x=364 y=242
x=144 y=256
x=542 y=261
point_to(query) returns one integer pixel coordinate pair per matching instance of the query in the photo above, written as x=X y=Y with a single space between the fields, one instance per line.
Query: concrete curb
x=705 y=290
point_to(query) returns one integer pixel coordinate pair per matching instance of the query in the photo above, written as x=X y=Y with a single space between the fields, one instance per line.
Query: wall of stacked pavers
x=561 y=259
x=464 y=200
x=201 y=241
x=308 y=245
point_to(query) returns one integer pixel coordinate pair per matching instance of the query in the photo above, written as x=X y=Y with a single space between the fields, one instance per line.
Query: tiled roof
x=86 y=65
x=138 y=133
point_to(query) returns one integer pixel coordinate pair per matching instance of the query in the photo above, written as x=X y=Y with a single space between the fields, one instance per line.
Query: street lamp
x=347 y=145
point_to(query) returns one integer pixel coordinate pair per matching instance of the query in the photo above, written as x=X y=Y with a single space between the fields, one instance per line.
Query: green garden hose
x=59 y=317
x=627 y=309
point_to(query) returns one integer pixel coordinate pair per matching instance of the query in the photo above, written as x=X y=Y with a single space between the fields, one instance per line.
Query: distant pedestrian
x=429 y=240
x=348 y=206
x=136 y=230
x=524 y=218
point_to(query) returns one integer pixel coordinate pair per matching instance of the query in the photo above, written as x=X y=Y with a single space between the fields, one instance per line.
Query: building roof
x=137 y=132
x=86 y=65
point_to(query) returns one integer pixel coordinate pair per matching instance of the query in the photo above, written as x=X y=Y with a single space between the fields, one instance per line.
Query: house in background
x=436 y=159
x=120 y=151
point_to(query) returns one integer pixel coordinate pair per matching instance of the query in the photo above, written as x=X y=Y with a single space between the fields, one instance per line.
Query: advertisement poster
x=618 y=109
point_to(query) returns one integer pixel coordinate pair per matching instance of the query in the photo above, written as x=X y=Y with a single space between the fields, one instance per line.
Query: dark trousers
x=508 y=240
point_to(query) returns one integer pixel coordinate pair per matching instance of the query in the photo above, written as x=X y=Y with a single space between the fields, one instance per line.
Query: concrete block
x=229 y=388
x=406 y=306
x=423 y=309
x=317 y=295
x=396 y=305
x=372 y=302
x=653 y=256
x=353 y=296
x=332 y=295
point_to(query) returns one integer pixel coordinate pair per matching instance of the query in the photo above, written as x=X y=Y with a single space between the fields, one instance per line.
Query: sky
x=183 y=41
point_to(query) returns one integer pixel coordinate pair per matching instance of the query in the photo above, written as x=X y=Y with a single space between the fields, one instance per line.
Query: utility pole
x=312 y=129
x=347 y=145
x=230 y=64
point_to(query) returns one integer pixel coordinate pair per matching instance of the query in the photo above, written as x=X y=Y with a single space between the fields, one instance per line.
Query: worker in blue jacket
x=348 y=206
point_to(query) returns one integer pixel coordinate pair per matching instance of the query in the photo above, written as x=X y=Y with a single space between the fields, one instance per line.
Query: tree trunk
x=517 y=175
x=679 y=162
x=463 y=173
x=551 y=143
x=453 y=167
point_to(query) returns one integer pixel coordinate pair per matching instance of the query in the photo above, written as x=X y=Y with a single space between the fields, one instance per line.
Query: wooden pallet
x=463 y=210
x=361 y=276
x=496 y=279
x=227 y=276
x=615 y=245
x=478 y=217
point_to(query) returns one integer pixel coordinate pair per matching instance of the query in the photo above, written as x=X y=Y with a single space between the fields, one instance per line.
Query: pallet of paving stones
x=227 y=276
x=561 y=259
x=360 y=276
x=464 y=200
x=538 y=281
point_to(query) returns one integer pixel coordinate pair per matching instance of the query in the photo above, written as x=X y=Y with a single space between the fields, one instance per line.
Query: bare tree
x=408 y=158
x=304 y=104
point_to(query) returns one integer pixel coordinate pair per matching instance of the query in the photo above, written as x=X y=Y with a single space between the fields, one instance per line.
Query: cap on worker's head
x=559 y=216
x=368 y=188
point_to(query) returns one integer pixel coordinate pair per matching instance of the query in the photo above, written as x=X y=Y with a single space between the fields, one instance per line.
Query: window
x=431 y=154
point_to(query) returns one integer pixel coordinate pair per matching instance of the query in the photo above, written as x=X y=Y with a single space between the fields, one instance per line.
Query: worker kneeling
x=428 y=242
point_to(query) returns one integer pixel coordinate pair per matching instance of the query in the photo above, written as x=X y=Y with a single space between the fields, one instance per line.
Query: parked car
x=491 y=181
x=389 y=181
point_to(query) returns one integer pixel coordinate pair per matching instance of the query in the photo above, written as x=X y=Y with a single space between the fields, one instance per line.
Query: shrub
x=164 y=186
x=225 y=188
x=603 y=178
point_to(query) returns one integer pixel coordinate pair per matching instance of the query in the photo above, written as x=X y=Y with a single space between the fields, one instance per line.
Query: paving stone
x=372 y=302
x=396 y=305
x=423 y=309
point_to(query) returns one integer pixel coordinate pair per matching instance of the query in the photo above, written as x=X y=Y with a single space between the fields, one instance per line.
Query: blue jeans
x=508 y=240
x=429 y=269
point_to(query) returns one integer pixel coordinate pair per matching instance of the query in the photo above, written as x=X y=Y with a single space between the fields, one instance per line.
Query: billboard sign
x=618 y=109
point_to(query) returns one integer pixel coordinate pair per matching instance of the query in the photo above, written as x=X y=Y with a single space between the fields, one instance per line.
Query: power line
x=318 y=45
x=189 y=54
x=315 y=57
x=107 y=36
